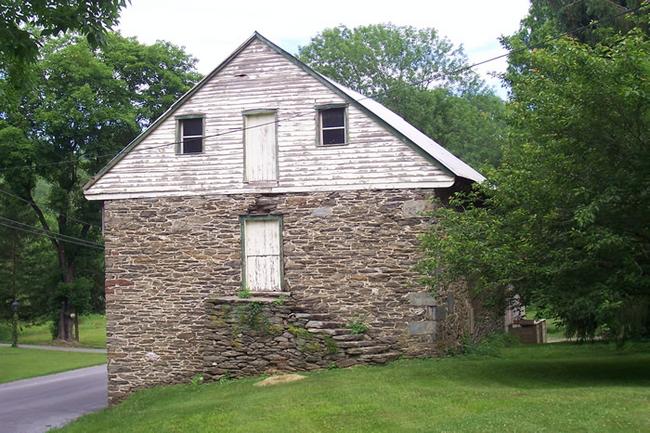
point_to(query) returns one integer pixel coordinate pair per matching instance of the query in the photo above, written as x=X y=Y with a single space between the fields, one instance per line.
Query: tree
x=155 y=75
x=587 y=21
x=419 y=75
x=375 y=58
x=27 y=266
x=563 y=221
x=25 y=25
x=471 y=126
x=13 y=245
x=80 y=112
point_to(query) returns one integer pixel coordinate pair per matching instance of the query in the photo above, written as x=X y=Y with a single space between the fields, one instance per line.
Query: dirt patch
x=280 y=379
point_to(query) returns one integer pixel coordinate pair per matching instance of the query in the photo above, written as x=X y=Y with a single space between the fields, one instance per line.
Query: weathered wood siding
x=260 y=78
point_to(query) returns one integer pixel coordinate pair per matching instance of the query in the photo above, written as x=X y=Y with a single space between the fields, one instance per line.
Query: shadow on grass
x=548 y=370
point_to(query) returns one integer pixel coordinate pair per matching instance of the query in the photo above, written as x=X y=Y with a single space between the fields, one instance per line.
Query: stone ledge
x=271 y=294
x=264 y=297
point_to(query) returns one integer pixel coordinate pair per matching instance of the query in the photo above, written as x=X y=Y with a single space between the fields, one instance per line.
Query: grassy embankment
x=552 y=388
x=23 y=363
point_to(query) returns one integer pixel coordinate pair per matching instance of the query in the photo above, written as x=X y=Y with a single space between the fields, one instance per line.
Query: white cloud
x=211 y=30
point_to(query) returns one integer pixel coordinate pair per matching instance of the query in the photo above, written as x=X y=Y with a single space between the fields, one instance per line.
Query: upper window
x=191 y=135
x=332 y=123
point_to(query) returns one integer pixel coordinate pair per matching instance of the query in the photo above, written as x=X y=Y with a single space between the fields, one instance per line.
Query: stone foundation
x=348 y=257
x=273 y=334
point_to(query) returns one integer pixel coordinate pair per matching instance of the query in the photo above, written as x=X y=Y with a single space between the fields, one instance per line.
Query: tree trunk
x=14 y=327
x=65 y=325
x=66 y=264
x=76 y=327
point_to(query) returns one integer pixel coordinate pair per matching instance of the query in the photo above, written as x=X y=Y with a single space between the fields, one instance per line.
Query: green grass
x=92 y=332
x=23 y=363
x=552 y=388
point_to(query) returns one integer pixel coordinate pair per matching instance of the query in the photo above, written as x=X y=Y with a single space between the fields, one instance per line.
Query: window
x=261 y=253
x=332 y=125
x=190 y=135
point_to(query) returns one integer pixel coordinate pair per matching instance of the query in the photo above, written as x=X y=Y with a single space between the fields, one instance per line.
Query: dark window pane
x=333 y=117
x=334 y=136
x=192 y=127
x=192 y=145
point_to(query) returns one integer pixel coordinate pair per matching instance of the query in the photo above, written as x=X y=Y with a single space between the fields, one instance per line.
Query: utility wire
x=15 y=225
x=438 y=75
x=61 y=235
x=17 y=197
x=82 y=242
x=46 y=235
x=217 y=134
x=551 y=39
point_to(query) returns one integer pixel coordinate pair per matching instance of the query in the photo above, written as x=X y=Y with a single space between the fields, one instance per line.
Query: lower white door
x=262 y=246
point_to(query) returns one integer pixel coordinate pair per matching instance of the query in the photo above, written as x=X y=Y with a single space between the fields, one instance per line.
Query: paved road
x=56 y=348
x=38 y=404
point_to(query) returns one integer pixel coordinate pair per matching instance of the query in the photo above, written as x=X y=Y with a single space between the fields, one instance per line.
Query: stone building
x=269 y=221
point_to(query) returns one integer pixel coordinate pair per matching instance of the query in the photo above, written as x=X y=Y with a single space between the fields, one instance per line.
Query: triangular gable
x=391 y=121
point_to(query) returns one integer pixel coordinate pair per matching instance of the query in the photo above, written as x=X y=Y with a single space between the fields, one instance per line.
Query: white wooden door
x=262 y=243
x=260 y=148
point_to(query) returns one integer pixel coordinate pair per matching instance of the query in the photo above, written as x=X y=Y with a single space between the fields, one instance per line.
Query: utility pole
x=14 y=334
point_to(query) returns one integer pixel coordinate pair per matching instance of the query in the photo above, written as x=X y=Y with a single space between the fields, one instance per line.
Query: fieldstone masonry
x=173 y=270
x=271 y=334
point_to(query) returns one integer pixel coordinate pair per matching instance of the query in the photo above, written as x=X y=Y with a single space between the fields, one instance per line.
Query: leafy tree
x=26 y=264
x=12 y=248
x=373 y=59
x=420 y=76
x=471 y=126
x=587 y=21
x=564 y=220
x=24 y=25
x=155 y=75
x=81 y=110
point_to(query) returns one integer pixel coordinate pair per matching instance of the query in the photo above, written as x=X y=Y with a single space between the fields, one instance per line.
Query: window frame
x=319 y=124
x=179 y=133
x=242 y=239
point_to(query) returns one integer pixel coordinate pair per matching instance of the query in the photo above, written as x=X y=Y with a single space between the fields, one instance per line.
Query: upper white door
x=260 y=148
x=262 y=244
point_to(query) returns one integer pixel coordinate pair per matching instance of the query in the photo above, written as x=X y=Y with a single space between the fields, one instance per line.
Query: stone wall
x=348 y=255
x=263 y=334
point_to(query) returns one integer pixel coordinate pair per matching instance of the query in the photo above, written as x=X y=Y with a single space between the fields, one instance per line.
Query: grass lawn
x=23 y=363
x=553 y=388
x=92 y=332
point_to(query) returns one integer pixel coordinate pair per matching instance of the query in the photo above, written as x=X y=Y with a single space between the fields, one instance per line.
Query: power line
x=551 y=39
x=17 y=197
x=48 y=236
x=49 y=232
x=384 y=93
x=16 y=225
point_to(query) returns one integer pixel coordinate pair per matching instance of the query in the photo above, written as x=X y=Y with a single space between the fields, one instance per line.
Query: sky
x=210 y=30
